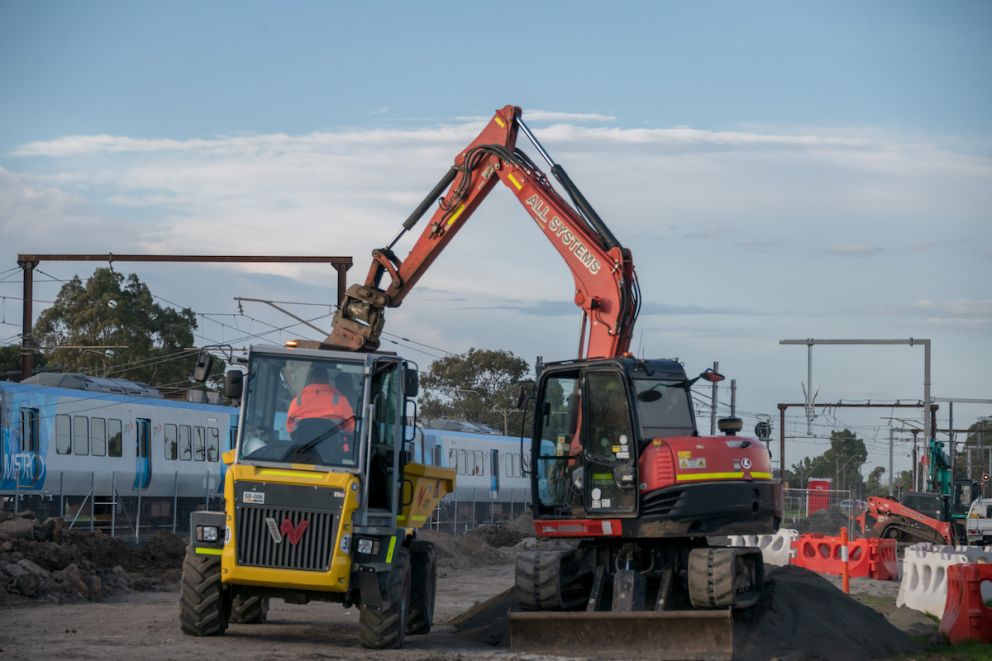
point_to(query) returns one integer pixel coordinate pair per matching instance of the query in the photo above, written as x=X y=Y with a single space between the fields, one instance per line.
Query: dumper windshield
x=302 y=411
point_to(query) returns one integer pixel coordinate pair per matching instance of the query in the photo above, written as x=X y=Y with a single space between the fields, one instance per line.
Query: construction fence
x=822 y=512
x=115 y=504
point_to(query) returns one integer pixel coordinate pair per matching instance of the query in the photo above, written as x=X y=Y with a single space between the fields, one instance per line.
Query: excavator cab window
x=608 y=440
x=584 y=455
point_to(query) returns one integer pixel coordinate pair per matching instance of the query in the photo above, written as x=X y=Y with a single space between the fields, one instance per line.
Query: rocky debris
x=46 y=560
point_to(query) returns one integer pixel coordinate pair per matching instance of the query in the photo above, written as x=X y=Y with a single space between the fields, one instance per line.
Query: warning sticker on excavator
x=686 y=460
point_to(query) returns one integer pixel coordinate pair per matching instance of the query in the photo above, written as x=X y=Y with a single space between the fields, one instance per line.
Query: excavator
x=625 y=490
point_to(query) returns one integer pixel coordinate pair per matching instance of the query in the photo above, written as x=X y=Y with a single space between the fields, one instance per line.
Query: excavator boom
x=603 y=271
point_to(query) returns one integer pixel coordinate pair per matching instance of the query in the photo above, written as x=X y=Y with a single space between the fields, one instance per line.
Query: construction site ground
x=804 y=616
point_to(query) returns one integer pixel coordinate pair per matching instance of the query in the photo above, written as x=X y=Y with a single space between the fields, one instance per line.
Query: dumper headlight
x=207 y=534
x=367 y=546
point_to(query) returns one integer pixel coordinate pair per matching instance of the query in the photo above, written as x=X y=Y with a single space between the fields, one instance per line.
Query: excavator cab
x=585 y=464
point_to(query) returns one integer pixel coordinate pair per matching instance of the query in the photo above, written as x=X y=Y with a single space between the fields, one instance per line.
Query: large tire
x=204 y=606
x=248 y=609
x=551 y=578
x=423 y=587
x=385 y=628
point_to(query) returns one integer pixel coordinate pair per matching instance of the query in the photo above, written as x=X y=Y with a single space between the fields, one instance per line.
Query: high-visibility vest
x=319 y=400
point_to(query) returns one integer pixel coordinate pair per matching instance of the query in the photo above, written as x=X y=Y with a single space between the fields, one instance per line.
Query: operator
x=319 y=399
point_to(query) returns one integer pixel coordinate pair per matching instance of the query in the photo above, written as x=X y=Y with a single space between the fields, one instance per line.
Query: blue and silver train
x=89 y=441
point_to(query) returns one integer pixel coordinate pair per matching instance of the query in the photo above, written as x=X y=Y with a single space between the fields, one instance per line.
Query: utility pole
x=809 y=342
x=733 y=398
x=713 y=395
x=892 y=433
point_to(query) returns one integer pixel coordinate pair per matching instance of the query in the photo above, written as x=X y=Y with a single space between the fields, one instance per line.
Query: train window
x=98 y=437
x=232 y=438
x=63 y=434
x=80 y=435
x=198 y=443
x=213 y=443
x=185 y=447
x=29 y=430
x=171 y=442
x=114 y=437
x=436 y=455
x=143 y=437
x=460 y=462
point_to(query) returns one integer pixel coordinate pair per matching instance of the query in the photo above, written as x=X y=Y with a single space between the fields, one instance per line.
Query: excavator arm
x=603 y=271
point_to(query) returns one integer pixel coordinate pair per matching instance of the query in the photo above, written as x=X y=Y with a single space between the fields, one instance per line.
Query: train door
x=29 y=464
x=143 y=454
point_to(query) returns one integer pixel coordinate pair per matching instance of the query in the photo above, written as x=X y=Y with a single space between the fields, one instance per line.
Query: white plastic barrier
x=775 y=549
x=924 y=574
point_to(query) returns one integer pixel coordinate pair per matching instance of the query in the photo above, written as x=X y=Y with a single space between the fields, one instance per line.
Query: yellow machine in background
x=321 y=507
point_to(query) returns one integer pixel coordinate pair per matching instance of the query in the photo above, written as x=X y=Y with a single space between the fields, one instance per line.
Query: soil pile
x=803 y=616
x=46 y=560
x=463 y=551
x=827 y=522
x=506 y=534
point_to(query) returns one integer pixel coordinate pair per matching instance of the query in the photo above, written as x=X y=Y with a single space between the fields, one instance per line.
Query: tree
x=10 y=362
x=111 y=311
x=874 y=484
x=842 y=462
x=479 y=385
x=974 y=451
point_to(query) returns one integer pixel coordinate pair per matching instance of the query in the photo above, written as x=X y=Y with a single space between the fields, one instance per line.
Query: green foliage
x=874 y=486
x=109 y=310
x=842 y=462
x=10 y=362
x=477 y=386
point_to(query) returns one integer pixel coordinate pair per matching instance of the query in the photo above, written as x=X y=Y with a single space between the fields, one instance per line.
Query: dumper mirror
x=227 y=457
x=411 y=381
x=233 y=384
x=526 y=391
x=204 y=361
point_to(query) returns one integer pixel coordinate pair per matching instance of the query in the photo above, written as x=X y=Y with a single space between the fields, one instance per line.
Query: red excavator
x=625 y=492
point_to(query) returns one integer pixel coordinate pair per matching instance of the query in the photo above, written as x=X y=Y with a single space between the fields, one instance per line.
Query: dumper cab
x=322 y=498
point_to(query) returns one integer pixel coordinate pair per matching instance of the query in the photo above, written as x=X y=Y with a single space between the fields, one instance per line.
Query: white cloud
x=774 y=206
x=855 y=250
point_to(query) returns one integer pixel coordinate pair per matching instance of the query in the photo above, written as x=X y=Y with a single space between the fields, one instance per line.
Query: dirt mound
x=48 y=561
x=827 y=522
x=506 y=534
x=463 y=551
x=803 y=616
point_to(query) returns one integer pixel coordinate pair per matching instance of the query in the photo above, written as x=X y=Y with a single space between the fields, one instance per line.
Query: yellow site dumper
x=323 y=494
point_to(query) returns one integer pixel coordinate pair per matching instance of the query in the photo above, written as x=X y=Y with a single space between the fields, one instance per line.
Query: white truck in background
x=978 y=525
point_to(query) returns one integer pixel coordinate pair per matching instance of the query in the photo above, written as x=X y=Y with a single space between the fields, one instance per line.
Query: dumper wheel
x=204 y=606
x=384 y=628
x=725 y=577
x=248 y=609
x=423 y=587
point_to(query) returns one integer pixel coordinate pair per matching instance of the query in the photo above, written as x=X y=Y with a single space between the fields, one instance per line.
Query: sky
x=778 y=169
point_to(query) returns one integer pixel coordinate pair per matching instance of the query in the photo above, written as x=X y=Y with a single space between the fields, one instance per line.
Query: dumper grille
x=284 y=538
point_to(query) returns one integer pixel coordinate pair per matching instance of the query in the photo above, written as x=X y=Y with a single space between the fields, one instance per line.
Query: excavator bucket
x=624 y=635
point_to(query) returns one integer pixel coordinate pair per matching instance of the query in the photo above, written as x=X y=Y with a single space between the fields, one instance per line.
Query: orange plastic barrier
x=966 y=617
x=868 y=558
